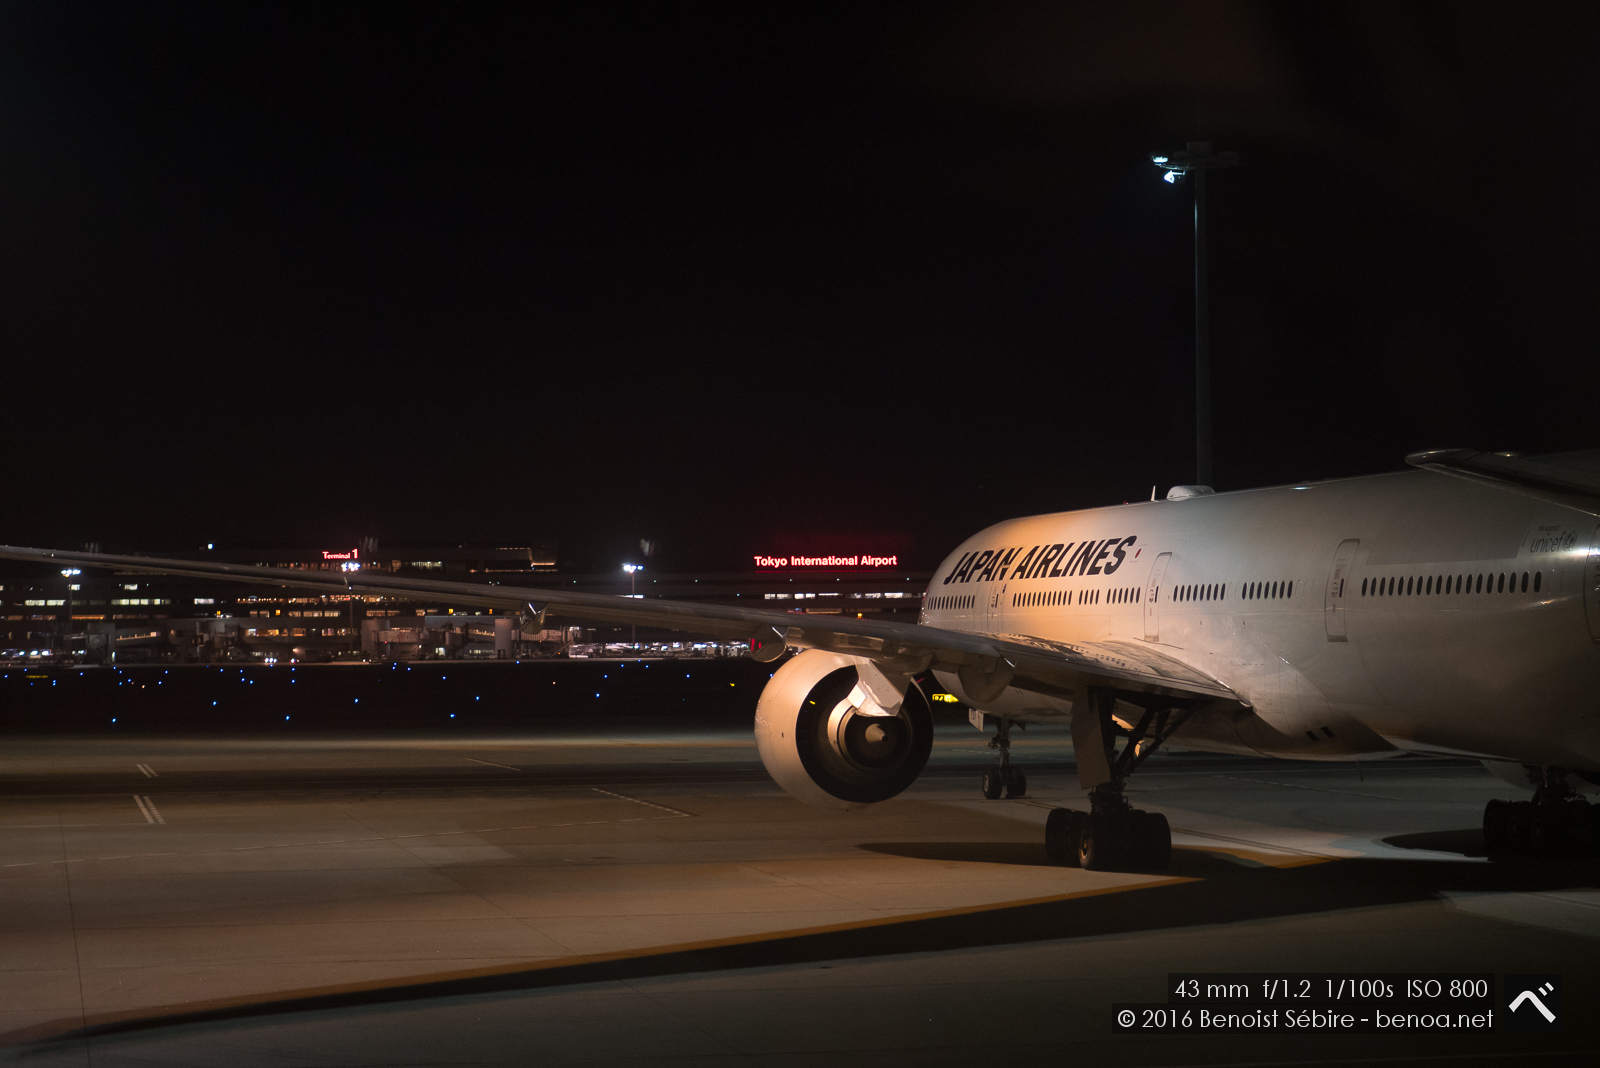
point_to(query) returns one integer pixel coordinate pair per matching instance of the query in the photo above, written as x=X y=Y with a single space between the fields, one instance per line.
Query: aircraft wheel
x=993 y=783
x=1519 y=827
x=1017 y=785
x=1094 y=843
x=1544 y=835
x=1058 y=843
x=1154 y=837
x=1496 y=825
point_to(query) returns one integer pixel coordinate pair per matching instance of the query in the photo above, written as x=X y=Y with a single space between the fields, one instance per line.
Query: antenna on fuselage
x=1152 y=493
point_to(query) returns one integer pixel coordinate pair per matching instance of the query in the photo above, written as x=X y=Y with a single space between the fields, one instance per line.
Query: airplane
x=1451 y=609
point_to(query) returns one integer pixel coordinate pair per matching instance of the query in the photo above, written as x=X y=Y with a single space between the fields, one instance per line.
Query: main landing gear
x=1112 y=834
x=1004 y=777
x=1557 y=822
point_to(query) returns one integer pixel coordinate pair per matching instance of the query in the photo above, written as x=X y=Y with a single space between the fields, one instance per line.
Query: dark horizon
x=764 y=281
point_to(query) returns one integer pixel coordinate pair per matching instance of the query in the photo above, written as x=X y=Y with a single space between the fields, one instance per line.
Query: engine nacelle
x=836 y=732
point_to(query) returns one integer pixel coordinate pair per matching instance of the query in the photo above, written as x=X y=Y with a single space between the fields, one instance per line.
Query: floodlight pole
x=1198 y=158
x=1202 y=339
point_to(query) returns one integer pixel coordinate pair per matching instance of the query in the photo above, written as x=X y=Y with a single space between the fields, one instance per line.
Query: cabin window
x=1536 y=576
x=1524 y=582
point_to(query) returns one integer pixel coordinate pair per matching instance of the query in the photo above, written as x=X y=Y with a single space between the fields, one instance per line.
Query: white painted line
x=147 y=771
x=492 y=764
x=148 y=807
x=635 y=800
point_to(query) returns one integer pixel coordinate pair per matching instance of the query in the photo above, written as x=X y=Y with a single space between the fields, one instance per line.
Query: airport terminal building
x=72 y=616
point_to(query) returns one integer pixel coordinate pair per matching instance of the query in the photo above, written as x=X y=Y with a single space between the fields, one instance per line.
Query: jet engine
x=837 y=731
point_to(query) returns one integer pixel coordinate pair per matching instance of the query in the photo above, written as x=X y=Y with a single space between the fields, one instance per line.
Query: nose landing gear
x=1004 y=777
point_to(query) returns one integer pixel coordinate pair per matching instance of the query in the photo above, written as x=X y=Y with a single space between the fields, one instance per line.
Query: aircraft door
x=1152 y=594
x=1591 y=586
x=1344 y=559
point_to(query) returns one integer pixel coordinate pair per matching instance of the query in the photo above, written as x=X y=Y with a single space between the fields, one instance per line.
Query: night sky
x=743 y=279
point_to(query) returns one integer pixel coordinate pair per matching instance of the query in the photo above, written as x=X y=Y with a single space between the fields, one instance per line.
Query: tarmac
x=600 y=898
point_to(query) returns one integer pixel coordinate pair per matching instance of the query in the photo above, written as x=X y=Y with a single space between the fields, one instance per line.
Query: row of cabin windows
x=1054 y=598
x=1255 y=591
x=1392 y=586
x=1218 y=591
x=1439 y=585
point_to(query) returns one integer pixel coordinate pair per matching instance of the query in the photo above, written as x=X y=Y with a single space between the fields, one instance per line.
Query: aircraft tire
x=1017 y=785
x=993 y=783
x=1059 y=843
x=1154 y=840
x=1496 y=825
x=1094 y=843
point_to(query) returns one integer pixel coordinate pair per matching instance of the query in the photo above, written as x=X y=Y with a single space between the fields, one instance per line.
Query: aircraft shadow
x=1466 y=843
x=1219 y=891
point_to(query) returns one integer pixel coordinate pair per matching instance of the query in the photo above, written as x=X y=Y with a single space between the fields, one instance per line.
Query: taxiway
x=429 y=899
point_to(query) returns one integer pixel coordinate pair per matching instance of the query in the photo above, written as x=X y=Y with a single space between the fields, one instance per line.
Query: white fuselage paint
x=1508 y=674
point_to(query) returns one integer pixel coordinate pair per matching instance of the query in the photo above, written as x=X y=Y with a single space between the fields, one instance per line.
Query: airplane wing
x=984 y=662
x=1571 y=479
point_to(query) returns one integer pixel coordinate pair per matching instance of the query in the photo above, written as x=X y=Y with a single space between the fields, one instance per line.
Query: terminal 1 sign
x=831 y=563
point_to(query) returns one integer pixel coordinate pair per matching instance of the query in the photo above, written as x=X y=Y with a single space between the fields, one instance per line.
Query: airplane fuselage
x=1402 y=612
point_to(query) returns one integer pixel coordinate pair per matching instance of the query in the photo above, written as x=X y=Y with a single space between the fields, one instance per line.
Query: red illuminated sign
x=353 y=554
x=861 y=560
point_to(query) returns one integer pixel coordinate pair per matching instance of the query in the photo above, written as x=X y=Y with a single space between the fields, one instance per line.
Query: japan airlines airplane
x=1453 y=609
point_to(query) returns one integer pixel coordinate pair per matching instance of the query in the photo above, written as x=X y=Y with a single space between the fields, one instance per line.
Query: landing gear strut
x=1004 y=777
x=1112 y=834
x=1556 y=822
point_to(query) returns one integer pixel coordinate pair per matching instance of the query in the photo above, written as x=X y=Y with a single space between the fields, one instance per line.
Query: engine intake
x=828 y=736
